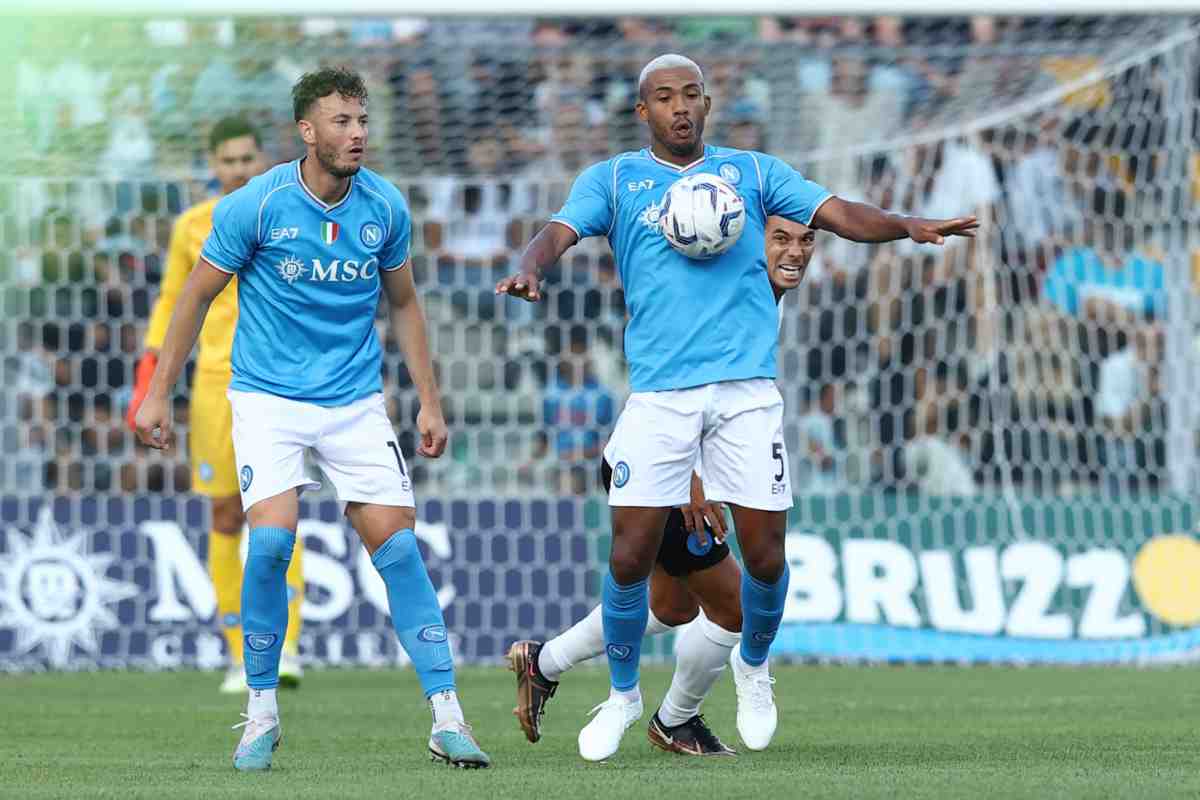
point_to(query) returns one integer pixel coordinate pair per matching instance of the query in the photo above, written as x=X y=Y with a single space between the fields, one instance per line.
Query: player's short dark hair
x=312 y=86
x=228 y=128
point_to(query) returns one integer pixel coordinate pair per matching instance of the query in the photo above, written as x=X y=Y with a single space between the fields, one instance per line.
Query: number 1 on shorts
x=399 y=459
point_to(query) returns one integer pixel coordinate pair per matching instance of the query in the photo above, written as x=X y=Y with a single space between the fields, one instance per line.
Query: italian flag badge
x=329 y=232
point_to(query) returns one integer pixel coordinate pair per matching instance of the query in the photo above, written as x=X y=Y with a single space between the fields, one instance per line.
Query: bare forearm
x=408 y=323
x=546 y=248
x=178 y=342
x=860 y=222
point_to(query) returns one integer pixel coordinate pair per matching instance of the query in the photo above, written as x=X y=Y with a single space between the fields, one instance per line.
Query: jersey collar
x=324 y=207
x=676 y=167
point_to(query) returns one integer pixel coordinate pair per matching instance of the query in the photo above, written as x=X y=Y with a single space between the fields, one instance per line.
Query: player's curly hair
x=312 y=86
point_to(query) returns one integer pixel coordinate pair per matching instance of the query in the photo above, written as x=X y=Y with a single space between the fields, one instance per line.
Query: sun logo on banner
x=54 y=595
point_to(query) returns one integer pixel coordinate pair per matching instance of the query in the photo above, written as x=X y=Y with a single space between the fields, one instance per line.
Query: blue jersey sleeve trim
x=263 y=205
x=401 y=265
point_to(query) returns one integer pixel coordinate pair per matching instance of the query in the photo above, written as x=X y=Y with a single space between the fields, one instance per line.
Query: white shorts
x=355 y=446
x=735 y=428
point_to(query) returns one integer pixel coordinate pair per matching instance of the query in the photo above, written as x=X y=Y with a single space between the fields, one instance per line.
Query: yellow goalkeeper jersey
x=216 y=337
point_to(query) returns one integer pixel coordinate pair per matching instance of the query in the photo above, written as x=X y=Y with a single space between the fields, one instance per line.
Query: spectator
x=936 y=457
x=1132 y=412
x=1107 y=285
x=821 y=451
x=577 y=408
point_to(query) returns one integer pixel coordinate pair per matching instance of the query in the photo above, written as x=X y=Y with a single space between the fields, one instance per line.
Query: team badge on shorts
x=620 y=474
x=206 y=471
x=247 y=477
x=371 y=234
x=695 y=548
x=730 y=173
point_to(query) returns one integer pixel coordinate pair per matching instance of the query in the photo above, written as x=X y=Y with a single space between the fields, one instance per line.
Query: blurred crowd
x=1034 y=354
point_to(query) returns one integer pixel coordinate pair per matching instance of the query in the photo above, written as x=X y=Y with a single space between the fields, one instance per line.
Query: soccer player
x=312 y=241
x=701 y=343
x=235 y=156
x=693 y=579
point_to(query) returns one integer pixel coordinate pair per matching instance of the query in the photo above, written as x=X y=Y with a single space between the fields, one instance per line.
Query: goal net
x=992 y=443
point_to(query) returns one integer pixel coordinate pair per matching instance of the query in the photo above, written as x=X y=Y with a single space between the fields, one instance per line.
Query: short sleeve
x=234 y=236
x=589 y=208
x=395 y=250
x=787 y=193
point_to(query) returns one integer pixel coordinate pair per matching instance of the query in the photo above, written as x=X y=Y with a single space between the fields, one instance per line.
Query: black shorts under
x=680 y=553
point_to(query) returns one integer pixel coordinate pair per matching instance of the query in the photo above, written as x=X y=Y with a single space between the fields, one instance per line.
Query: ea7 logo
x=637 y=186
x=284 y=233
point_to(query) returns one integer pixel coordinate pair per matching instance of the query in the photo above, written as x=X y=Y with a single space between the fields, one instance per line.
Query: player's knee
x=227 y=515
x=674 y=614
x=765 y=564
x=727 y=615
x=627 y=565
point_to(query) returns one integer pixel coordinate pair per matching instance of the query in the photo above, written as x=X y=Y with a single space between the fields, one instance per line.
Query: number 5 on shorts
x=400 y=460
x=777 y=454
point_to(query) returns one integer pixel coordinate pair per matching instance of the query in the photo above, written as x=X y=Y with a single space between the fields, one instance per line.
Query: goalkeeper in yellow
x=235 y=156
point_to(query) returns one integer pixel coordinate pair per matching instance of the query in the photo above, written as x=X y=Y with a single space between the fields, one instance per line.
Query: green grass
x=844 y=732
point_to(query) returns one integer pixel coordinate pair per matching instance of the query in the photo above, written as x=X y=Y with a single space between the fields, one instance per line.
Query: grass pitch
x=844 y=732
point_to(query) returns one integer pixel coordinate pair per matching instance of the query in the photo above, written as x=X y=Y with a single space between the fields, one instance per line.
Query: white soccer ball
x=702 y=215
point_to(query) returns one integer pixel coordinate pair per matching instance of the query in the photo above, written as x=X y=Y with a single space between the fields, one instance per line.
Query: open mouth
x=791 y=272
x=355 y=152
x=681 y=128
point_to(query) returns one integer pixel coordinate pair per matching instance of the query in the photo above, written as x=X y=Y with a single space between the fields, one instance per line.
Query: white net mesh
x=1049 y=359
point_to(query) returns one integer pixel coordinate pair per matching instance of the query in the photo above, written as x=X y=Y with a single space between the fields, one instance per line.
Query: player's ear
x=642 y=112
x=306 y=131
x=707 y=105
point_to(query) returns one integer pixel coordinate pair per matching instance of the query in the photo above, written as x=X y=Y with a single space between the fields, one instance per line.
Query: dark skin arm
x=543 y=251
x=860 y=222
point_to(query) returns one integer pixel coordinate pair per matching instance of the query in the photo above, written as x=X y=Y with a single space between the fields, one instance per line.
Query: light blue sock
x=265 y=604
x=416 y=615
x=762 y=610
x=624 y=611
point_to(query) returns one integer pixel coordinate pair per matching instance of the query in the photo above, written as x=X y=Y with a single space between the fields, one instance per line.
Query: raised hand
x=934 y=231
x=525 y=285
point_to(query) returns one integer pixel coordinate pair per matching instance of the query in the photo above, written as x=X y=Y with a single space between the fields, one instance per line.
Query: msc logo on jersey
x=291 y=269
x=649 y=217
x=348 y=270
x=730 y=173
x=247 y=477
x=620 y=474
x=371 y=234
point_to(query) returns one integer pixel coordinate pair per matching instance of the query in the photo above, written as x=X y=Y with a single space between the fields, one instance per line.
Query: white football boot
x=756 y=712
x=601 y=737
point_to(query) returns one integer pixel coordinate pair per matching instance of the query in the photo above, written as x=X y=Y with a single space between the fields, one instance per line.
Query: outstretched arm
x=542 y=252
x=860 y=222
x=205 y=283
x=408 y=323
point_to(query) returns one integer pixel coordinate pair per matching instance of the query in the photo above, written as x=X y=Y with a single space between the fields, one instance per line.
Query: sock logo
x=619 y=652
x=247 y=477
x=260 y=642
x=620 y=474
x=764 y=636
x=432 y=633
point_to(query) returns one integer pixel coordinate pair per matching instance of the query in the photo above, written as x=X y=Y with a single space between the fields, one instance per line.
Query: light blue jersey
x=691 y=322
x=308 y=282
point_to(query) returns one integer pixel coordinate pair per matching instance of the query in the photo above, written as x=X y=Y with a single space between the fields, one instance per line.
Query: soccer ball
x=702 y=216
